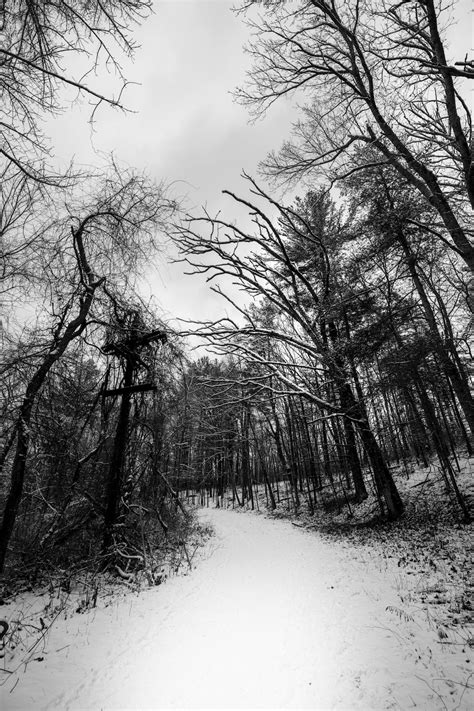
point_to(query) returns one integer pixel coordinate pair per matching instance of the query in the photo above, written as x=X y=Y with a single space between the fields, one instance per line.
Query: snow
x=272 y=616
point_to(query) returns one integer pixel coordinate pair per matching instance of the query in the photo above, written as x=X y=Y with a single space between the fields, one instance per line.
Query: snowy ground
x=272 y=616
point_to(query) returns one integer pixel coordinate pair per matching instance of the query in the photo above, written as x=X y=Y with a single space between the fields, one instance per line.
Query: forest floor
x=430 y=545
x=272 y=615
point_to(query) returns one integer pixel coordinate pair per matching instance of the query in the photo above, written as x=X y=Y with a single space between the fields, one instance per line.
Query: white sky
x=187 y=129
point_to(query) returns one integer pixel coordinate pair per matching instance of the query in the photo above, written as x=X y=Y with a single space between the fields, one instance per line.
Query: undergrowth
x=36 y=591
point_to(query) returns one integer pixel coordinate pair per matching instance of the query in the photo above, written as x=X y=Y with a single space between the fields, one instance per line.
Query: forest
x=334 y=390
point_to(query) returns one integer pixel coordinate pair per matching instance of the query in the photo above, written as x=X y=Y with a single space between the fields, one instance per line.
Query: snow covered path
x=273 y=617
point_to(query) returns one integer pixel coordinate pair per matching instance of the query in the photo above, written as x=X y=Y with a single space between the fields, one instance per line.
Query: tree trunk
x=347 y=399
x=17 y=476
x=459 y=383
x=382 y=475
x=351 y=446
x=441 y=448
x=114 y=486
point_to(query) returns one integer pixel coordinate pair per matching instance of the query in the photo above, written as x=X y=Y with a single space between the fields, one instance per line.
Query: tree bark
x=114 y=485
x=351 y=446
x=348 y=400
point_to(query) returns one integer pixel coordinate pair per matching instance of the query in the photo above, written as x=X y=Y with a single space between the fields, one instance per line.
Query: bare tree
x=23 y=206
x=373 y=73
x=95 y=252
x=260 y=263
x=38 y=39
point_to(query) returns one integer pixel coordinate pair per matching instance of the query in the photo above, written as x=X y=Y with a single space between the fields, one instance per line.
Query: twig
x=433 y=690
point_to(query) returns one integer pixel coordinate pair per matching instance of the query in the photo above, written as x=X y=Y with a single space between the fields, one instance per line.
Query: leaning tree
x=371 y=73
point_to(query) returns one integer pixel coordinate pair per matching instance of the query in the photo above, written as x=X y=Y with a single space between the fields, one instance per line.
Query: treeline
x=351 y=305
x=352 y=363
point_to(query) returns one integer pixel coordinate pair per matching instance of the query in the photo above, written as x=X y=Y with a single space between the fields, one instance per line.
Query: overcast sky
x=187 y=129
